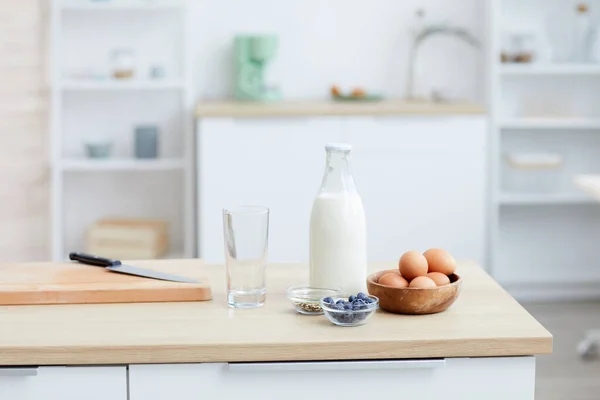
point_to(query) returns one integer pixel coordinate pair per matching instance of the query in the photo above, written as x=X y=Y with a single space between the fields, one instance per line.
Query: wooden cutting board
x=74 y=283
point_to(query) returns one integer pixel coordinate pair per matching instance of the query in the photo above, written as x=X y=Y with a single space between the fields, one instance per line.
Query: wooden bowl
x=411 y=300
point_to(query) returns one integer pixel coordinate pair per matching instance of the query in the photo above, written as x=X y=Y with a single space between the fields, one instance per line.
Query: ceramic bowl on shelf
x=339 y=315
x=98 y=149
x=307 y=300
x=412 y=300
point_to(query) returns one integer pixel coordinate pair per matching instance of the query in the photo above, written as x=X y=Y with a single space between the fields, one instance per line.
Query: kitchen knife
x=116 y=266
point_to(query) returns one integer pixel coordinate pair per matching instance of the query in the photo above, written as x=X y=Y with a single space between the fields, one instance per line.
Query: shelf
x=518 y=199
x=122 y=165
x=107 y=85
x=551 y=123
x=124 y=5
x=303 y=108
x=549 y=69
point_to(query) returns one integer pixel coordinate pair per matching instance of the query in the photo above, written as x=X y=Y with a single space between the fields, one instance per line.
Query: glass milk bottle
x=338 y=237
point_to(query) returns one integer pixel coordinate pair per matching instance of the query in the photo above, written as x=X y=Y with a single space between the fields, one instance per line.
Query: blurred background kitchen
x=126 y=125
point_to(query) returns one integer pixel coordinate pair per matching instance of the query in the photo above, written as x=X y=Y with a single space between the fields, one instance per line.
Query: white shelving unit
x=540 y=199
x=122 y=5
x=550 y=124
x=84 y=189
x=111 y=85
x=122 y=165
x=543 y=243
x=549 y=69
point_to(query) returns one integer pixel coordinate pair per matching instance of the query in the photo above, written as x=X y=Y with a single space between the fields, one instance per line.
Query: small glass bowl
x=349 y=317
x=307 y=300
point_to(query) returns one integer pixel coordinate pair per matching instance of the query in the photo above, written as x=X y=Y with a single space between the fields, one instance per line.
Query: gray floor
x=564 y=375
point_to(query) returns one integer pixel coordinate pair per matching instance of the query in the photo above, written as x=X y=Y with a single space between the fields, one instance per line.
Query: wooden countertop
x=206 y=109
x=485 y=321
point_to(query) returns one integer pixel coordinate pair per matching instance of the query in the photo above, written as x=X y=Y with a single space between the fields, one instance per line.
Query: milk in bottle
x=338 y=244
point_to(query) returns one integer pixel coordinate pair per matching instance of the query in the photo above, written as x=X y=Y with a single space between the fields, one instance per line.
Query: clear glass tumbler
x=246 y=233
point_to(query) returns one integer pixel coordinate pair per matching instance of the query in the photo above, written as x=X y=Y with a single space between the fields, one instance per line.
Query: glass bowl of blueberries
x=351 y=311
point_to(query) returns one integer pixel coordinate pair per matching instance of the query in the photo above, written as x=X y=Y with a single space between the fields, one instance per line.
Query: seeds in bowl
x=309 y=307
x=306 y=299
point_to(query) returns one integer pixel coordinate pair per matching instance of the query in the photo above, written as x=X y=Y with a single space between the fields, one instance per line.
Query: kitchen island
x=482 y=347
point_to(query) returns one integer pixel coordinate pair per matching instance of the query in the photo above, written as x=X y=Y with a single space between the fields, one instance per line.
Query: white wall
x=349 y=42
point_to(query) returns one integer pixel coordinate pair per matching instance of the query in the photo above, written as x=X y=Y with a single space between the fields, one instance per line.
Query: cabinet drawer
x=63 y=383
x=450 y=379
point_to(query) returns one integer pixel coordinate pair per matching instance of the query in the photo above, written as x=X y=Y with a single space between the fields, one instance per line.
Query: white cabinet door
x=450 y=379
x=423 y=183
x=63 y=383
x=277 y=163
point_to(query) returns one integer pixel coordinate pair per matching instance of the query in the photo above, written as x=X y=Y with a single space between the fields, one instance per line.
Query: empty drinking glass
x=246 y=232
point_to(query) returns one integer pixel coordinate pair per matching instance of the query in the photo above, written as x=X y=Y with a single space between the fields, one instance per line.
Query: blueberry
x=328 y=300
x=351 y=298
x=348 y=306
x=370 y=300
x=362 y=296
x=360 y=305
x=339 y=306
x=360 y=316
x=340 y=301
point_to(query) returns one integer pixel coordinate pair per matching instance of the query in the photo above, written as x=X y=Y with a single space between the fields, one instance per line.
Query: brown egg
x=412 y=264
x=422 y=282
x=393 y=279
x=440 y=261
x=439 y=278
x=335 y=91
x=358 y=92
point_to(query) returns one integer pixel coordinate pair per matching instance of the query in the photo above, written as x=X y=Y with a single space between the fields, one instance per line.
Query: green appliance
x=252 y=53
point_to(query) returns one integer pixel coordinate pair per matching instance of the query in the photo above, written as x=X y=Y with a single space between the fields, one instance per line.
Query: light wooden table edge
x=321 y=351
x=233 y=109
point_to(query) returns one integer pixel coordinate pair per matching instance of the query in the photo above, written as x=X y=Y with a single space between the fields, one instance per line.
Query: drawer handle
x=30 y=371
x=338 y=366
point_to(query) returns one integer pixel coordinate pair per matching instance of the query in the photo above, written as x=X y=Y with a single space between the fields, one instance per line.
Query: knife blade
x=117 y=266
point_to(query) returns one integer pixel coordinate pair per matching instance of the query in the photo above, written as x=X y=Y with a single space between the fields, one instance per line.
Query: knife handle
x=93 y=260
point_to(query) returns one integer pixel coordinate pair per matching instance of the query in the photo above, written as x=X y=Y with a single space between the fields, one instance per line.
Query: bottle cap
x=338 y=147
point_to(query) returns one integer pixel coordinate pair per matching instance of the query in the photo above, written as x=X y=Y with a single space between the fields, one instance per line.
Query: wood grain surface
x=206 y=109
x=484 y=321
x=74 y=283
